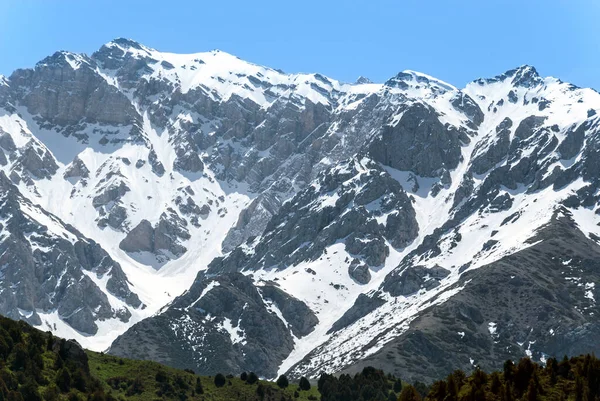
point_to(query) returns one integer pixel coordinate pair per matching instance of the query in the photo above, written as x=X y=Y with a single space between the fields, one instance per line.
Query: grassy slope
x=105 y=367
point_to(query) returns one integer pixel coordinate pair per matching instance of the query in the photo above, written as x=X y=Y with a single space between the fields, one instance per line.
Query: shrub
x=220 y=380
x=161 y=376
x=51 y=393
x=252 y=378
x=260 y=391
x=244 y=376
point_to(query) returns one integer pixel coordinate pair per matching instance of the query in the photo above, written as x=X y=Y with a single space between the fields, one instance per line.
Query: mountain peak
x=61 y=57
x=126 y=43
x=524 y=75
x=363 y=80
x=407 y=78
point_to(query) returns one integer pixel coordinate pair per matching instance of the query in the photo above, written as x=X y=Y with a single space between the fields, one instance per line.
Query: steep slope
x=155 y=155
x=36 y=365
x=231 y=193
x=485 y=170
x=492 y=213
x=254 y=320
x=544 y=307
x=52 y=276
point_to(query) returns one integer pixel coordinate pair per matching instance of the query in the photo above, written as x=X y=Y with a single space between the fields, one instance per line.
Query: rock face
x=59 y=265
x=77 y=169
x=414 y=278
x=420 y=143
x=313 y=223
x=301 y=319
x=232 y=326
x=357 y=203
x=538 y=306
x=68 y=90
x=163 y=240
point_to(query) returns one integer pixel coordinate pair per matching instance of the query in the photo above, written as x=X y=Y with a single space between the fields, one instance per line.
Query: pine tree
x=304 y=384
x=283 y=381
x=509 y=368
x=63 y=380
x=398 y=386
x=532 y=391
x=409 y=393
x=496 y=384
x=21 y=357
x=30 y=392
x=439 y=391
x=198 y=388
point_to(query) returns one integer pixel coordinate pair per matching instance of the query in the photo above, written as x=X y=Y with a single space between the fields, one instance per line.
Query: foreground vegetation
x=36 y=366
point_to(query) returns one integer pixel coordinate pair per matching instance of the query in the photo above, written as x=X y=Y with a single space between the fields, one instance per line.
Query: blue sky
x=454 y=40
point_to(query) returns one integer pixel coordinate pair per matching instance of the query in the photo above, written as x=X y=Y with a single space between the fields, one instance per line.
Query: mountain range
x=209 y=213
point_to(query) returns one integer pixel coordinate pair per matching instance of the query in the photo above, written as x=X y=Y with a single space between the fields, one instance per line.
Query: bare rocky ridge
x=540 y=305
x=315 y=224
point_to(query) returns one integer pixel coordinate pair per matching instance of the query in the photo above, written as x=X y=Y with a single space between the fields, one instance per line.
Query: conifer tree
x=283 y=381
x=304 y=384
x=409 y=393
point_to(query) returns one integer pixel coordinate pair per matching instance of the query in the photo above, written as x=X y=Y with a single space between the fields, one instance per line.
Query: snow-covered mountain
x=227 y=216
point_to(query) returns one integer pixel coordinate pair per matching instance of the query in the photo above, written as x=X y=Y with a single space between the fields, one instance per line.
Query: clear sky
x=454 y=40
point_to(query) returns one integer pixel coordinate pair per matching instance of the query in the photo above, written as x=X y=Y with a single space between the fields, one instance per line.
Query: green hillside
x=36 y=366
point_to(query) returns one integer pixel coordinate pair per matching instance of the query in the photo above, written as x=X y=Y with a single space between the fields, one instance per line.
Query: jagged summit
x=358 y=213
x=523 y=76
x=362 y=80
x=124 y=42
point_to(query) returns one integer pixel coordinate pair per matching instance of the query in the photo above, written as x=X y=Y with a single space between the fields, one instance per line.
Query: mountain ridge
x=337 y=202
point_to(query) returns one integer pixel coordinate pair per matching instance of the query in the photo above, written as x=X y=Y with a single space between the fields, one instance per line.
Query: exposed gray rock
x=363 y=305
x=419 y=142
x=77 y=168
x=496 y=151
x=111 y=193
x=535 y=309
x=359 y=271
x=308 y=223
x=157 y=166
x=412 y=279
x=573 y=142
x=467 y=105
x=37 y=161
x=162 y=240
x=62 y=95
x=211 y=348
x=297 y=314
x=140 y=239
x=57 y=269
x=7 y=142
